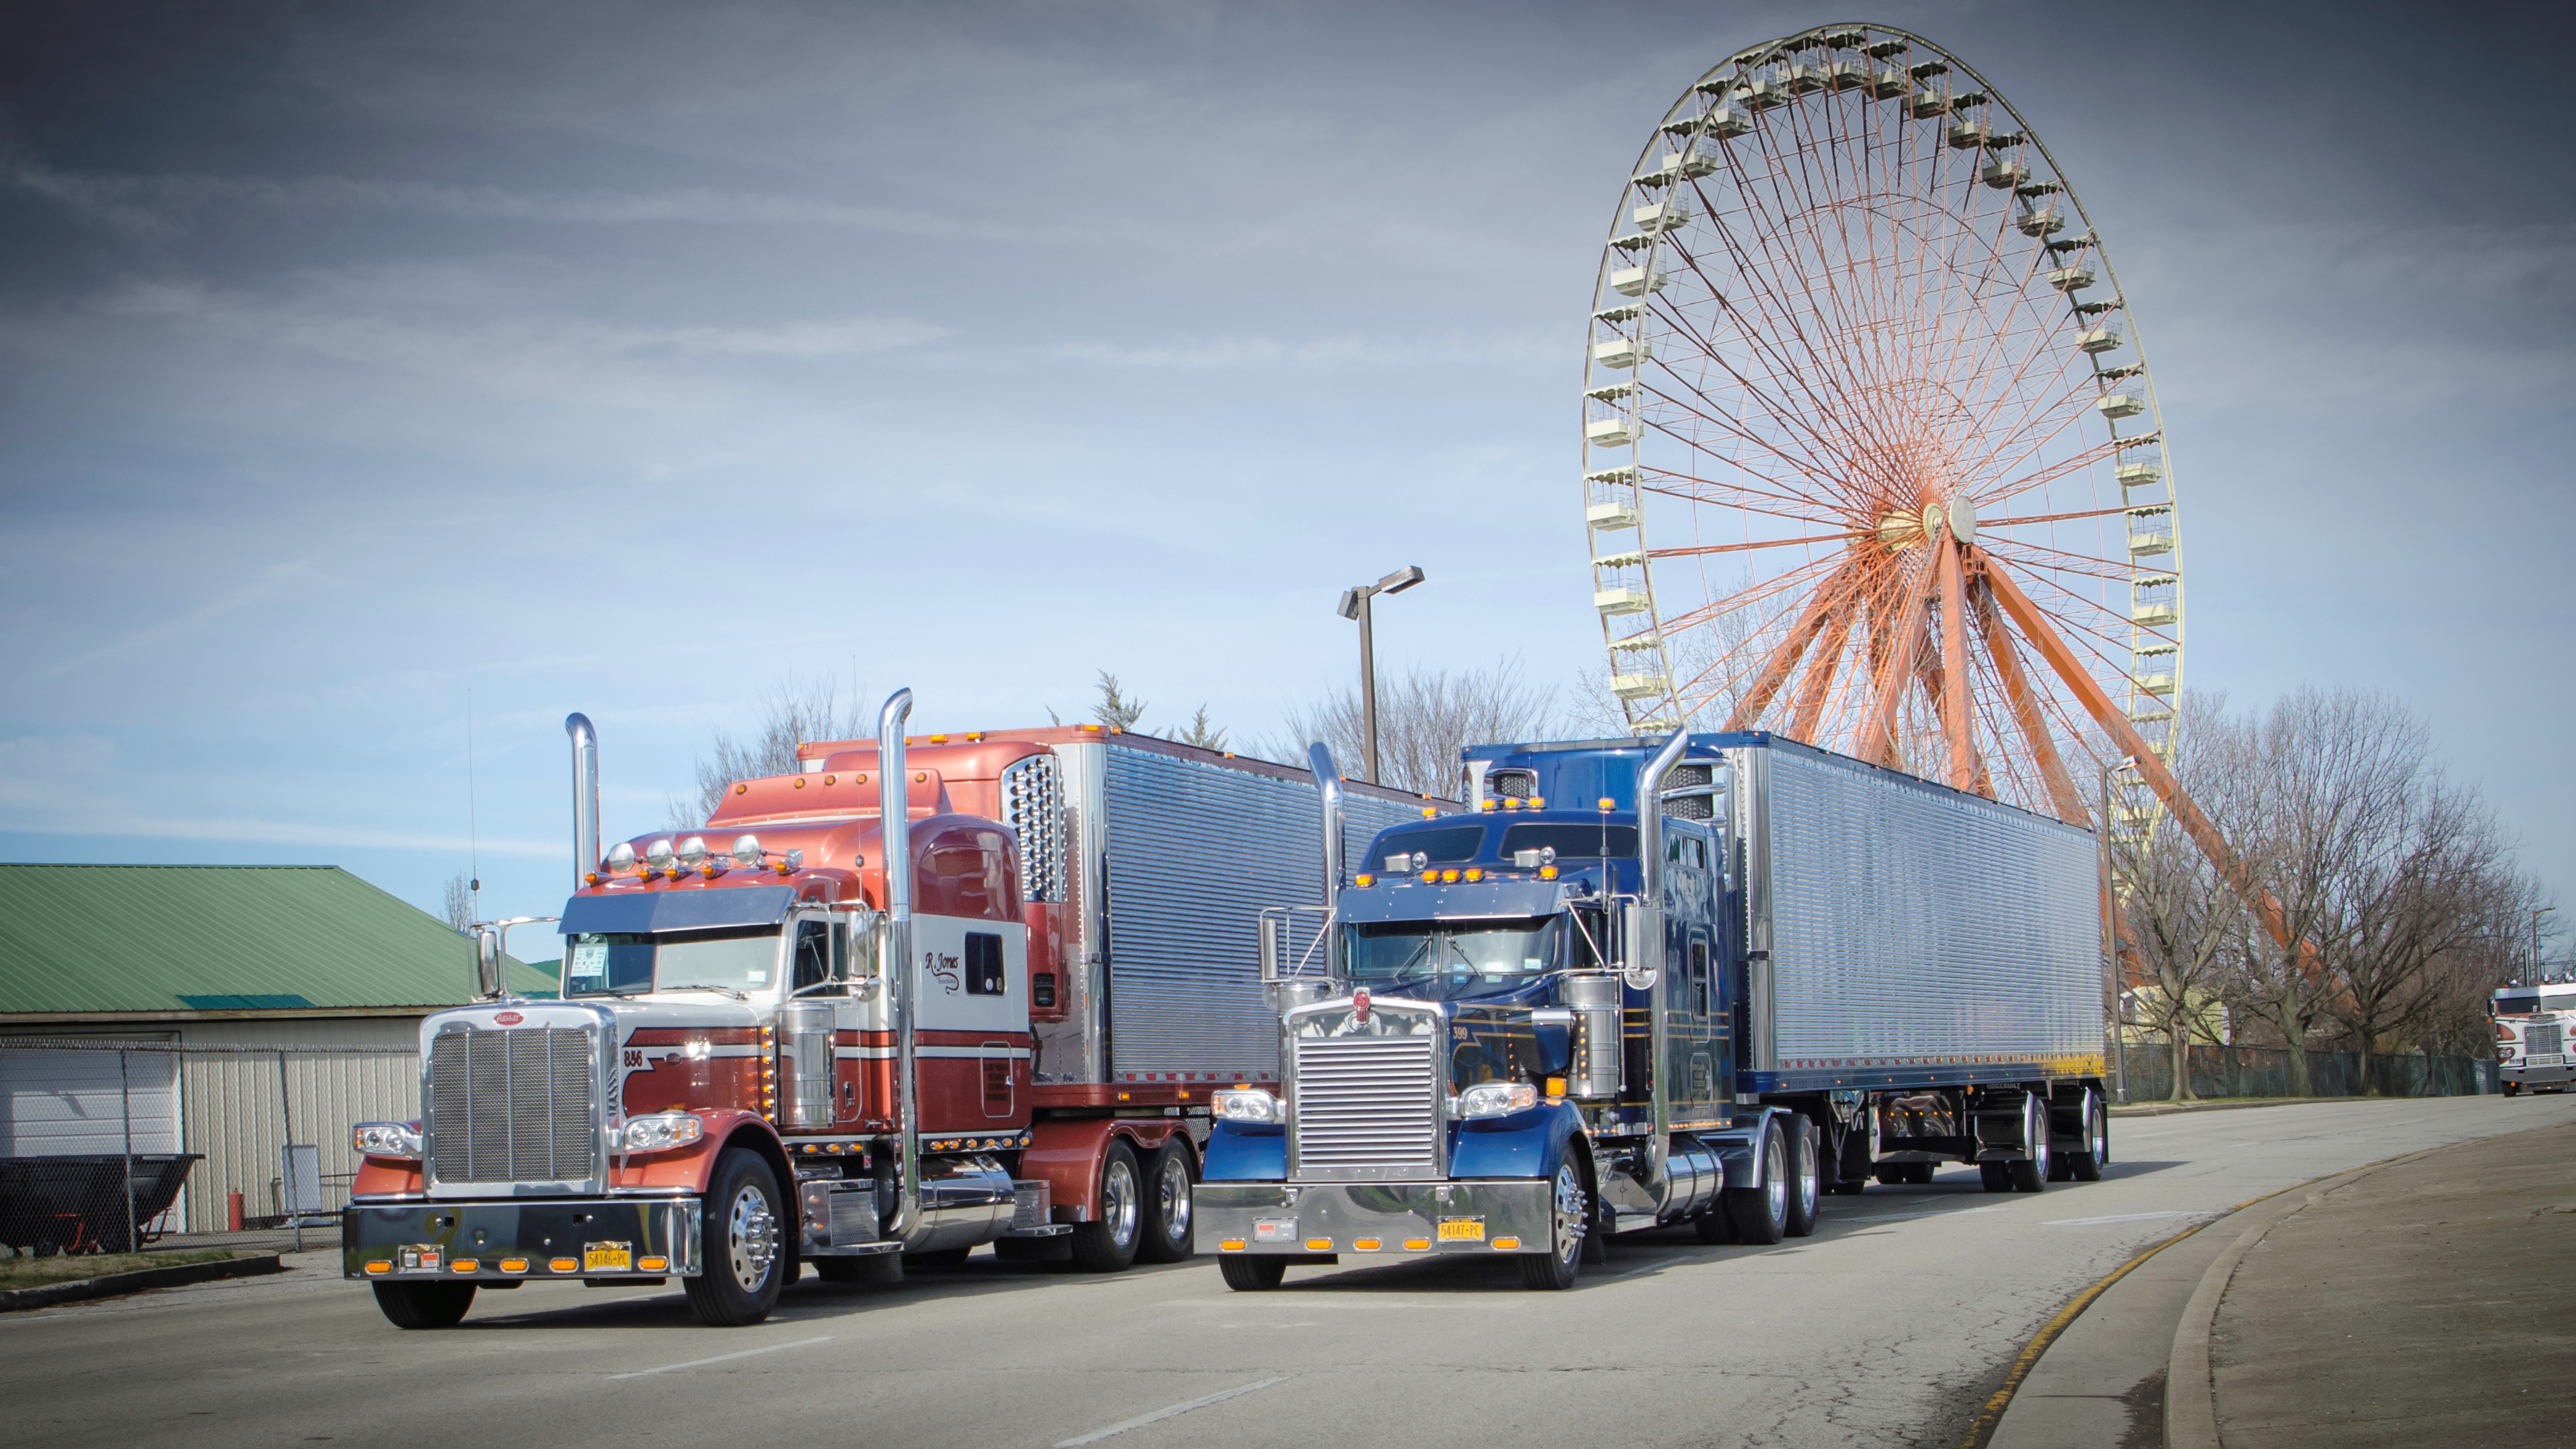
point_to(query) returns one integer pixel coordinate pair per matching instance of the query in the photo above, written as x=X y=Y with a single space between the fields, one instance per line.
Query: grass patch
x=16 y=1273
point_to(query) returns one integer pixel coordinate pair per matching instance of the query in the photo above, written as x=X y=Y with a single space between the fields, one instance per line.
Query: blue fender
x=1245 y=1152
x=1529 y=1144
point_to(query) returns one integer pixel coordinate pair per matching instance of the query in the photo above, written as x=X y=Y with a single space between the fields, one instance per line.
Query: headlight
x=1496 y=1099
x=1248 y=1106
x=662 y=1131
x=386 y=1139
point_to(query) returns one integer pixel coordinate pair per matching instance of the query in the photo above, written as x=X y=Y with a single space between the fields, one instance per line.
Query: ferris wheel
x=1872 y=458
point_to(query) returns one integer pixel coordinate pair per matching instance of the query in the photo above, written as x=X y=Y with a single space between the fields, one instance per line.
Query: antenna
x=473 y=833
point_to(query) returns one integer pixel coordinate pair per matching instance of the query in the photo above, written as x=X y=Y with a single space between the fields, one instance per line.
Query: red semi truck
x=770 y=1048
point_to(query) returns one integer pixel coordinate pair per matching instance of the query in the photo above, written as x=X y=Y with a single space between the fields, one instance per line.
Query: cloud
x=154 y=204
x=271 y=581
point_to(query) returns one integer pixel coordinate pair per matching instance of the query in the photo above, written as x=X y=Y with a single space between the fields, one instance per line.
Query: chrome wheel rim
x=1118 y=1202
x=1571 y=1207
x=1775 y=1186
x=1172 y=1198
x=1808 y=1177
x=2099 y=1133
x=751 y=1237
x=2038 y=1134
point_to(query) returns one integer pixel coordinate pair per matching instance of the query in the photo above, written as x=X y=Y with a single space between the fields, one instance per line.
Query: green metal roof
x=96 y=938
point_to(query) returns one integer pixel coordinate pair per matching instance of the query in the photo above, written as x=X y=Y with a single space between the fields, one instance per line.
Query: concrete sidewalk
x=2427 y=1300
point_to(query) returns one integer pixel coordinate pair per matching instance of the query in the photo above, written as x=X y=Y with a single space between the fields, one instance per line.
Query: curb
x=2191 y=1389
x=176 y=1276
x=2168 y=1109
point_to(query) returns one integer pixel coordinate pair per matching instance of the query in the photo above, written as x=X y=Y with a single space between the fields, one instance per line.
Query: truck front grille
x=2542 y=1038
x=1366 y=1103
x=512 y=1106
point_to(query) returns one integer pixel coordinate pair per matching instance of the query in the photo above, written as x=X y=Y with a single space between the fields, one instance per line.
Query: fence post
x=125 y=1109
x=286 y=1117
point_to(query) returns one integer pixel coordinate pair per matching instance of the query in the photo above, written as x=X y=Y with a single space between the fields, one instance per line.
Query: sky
x=636 y=359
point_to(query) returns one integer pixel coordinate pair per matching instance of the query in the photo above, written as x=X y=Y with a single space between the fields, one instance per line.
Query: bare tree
x=2418 y=894
x=1424 y=718
x=2176 y=915
x=794 y=712
x=2307 y=792
x=456 y=902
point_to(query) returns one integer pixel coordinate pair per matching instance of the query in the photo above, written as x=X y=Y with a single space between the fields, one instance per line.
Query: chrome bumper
x=515 y=1240
x=1372 y=1218
x=2539 y=1076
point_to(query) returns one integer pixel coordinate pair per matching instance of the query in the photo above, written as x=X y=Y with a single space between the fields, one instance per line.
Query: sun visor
x=699 y=910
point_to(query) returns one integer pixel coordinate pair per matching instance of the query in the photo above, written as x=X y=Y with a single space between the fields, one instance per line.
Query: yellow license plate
x=608 y=1257
x=1462 y=1230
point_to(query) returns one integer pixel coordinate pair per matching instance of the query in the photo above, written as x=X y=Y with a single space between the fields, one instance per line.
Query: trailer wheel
x=1171 y=1235
x=1107 y=1244
x=424 y=1305
x=1569 y=1215
x=2087 y=1165
x=739 y=1242
x=1761 y=1214
x=1252 y=1275
x=2513 y=1089
x=2030 y=1171
x=1804 y=1174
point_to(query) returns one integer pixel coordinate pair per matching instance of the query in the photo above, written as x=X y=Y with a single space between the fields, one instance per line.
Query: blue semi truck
x=1560 y=1016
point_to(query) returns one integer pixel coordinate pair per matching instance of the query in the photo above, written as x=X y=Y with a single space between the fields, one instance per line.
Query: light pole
x=2535 y=942
x=2111 y=944
x=1355 y=605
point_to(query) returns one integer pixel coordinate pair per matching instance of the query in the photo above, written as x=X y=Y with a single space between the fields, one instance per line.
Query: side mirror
x=1269 y=949
x=487 y=962
x=1643 y=925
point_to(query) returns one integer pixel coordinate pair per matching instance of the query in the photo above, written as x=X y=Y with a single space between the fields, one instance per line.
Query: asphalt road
x=1888 y=1327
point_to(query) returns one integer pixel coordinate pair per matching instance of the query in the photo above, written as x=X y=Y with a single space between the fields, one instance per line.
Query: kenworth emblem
x=1359 y=1006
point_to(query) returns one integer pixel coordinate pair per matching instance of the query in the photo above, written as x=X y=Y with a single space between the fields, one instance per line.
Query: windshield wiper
x=707 y=986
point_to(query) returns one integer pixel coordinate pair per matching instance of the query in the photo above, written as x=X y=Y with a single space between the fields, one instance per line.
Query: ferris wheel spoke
x=1702 y=550
x=1782 y=367
x=1772 y=408
x=2065 y=560
x=1745 y=598
x=1822 y=664
x=1821 y=608
x=1693 y=488
x=2025 y=708
x=1820 y=478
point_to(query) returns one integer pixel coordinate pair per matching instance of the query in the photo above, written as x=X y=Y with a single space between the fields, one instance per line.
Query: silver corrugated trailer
x=1901 y=932
x=1176 y=851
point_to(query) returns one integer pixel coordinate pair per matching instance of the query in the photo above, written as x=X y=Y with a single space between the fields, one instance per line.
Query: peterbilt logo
x=1359 y=1006
x=508 y=1018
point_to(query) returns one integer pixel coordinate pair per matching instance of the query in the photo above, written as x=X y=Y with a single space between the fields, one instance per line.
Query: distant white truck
x=2535 y=1030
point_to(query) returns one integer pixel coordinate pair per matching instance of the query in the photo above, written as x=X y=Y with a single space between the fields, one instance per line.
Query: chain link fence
x=2228 y=1071
x=116 y=1146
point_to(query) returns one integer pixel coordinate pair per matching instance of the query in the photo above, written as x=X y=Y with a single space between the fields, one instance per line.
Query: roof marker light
x=1609 y=804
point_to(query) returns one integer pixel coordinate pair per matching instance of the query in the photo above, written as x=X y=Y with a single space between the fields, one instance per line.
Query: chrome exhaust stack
x=1328 y=784
x=1644 y=928
x=585 y=797
x=894 y=825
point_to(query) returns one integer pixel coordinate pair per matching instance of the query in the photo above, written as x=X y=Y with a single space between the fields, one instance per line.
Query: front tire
x=742 y=1243
x=424 y=1305
x=2513 y=1089
x=1997 y=1176
x=1569 y=1223
x=1171 y=1232
x=1761 y=1214
x=1107 y=1244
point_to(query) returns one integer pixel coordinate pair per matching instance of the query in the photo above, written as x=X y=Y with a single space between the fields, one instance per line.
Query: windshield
x=1453 y=958
x=741 y=959
x=1574 y=840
